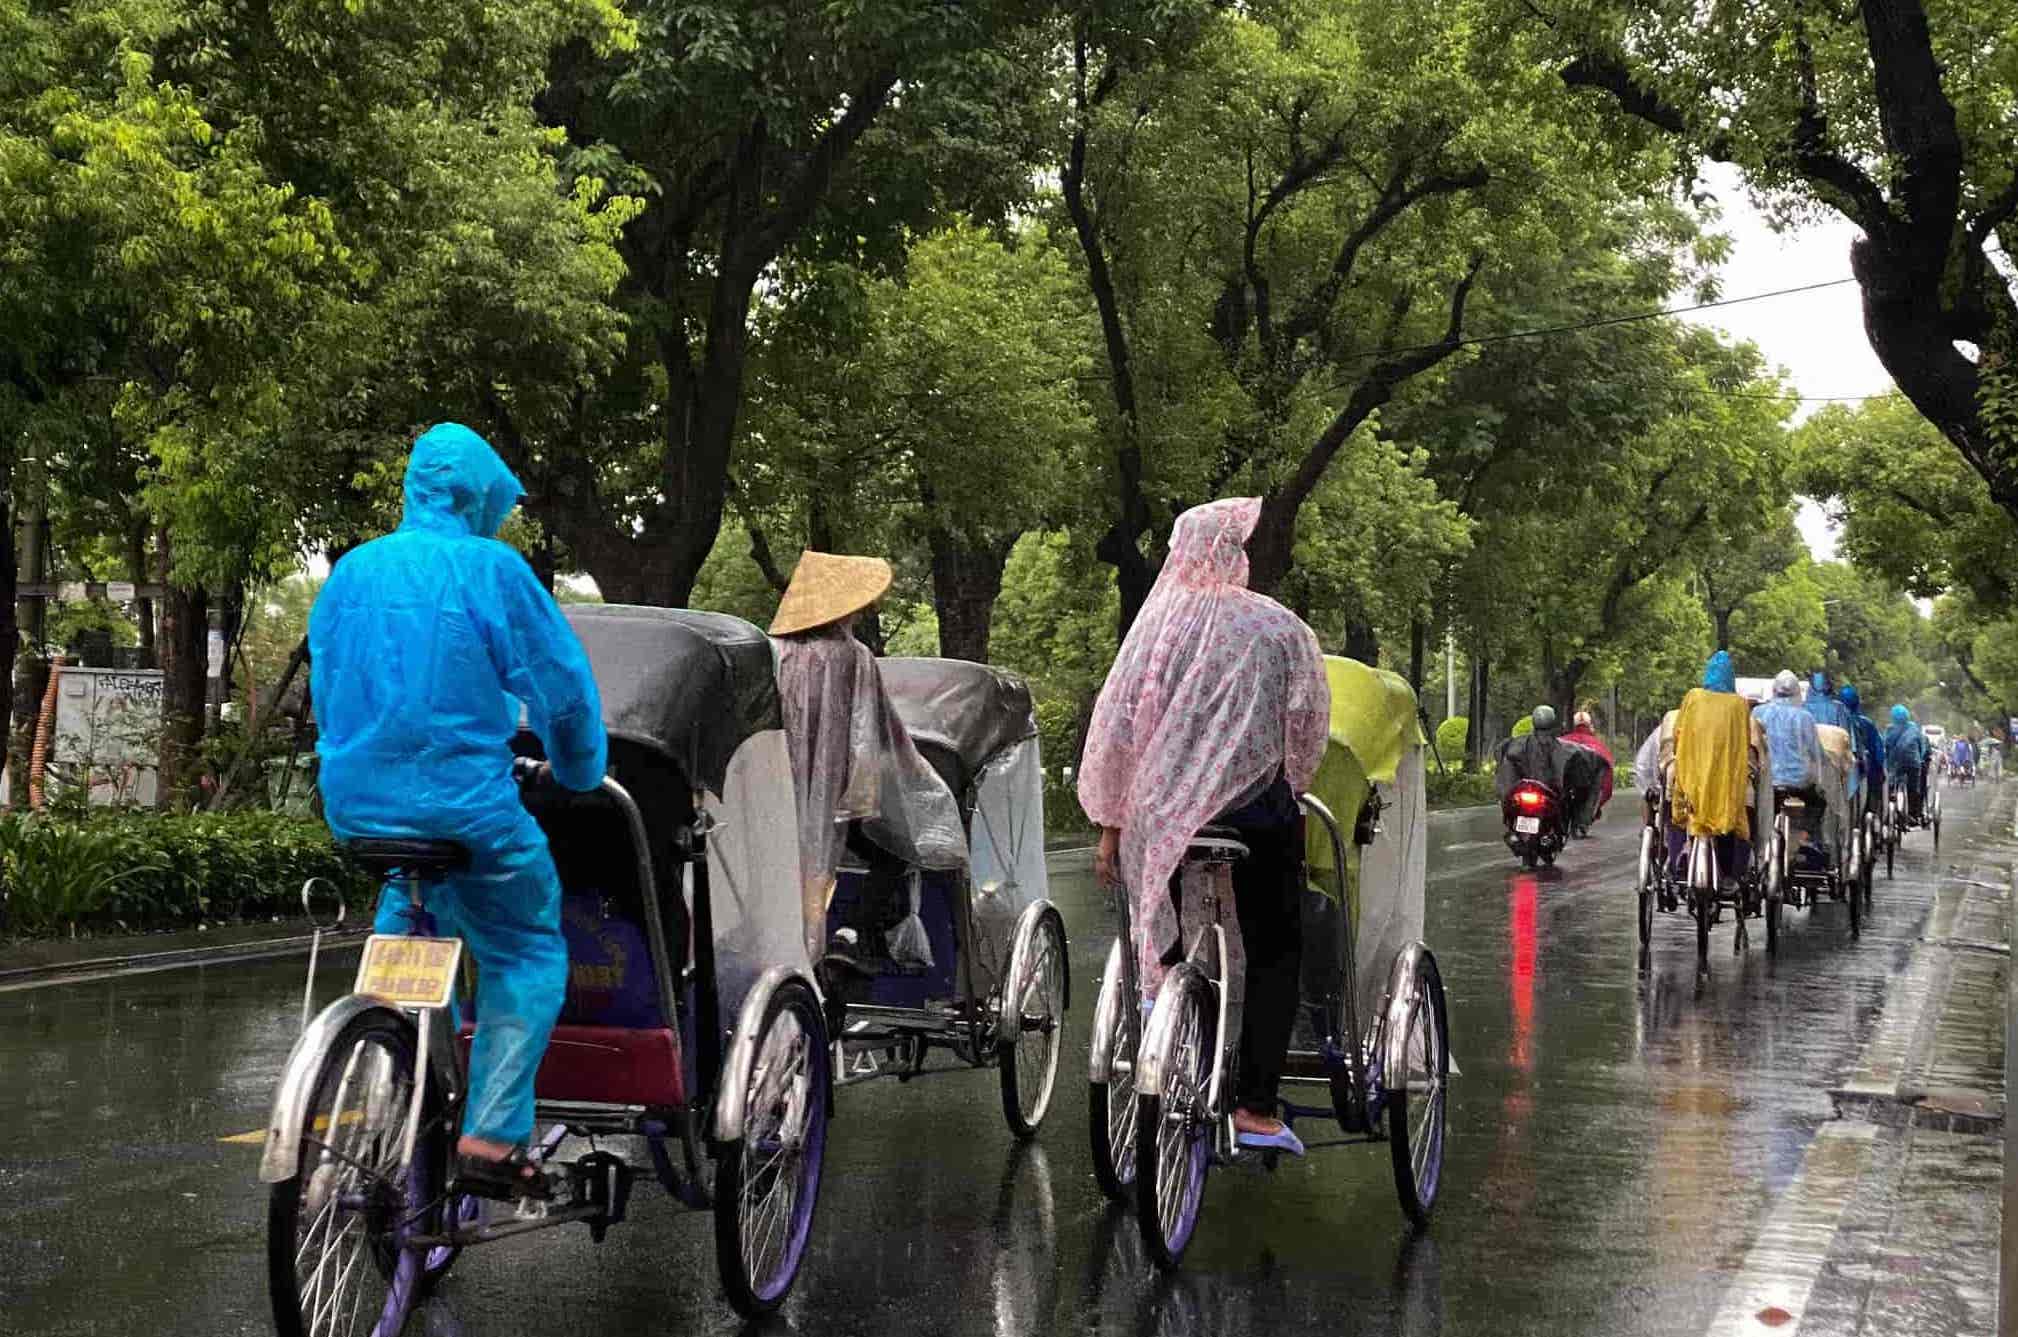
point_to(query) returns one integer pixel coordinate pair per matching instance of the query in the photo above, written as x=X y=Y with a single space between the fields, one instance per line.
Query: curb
x=223 y=953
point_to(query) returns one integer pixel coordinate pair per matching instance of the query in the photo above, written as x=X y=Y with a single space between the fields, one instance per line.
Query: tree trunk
x=1723 y=617
x=966 y=580
x=185 y=633
x=10 y=637
x=1418 y=636
x=1362 y=642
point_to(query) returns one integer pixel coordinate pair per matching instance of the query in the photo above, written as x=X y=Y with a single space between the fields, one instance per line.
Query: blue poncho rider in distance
x=1826 y=709
x=1906 y=757
x=425 y=643
x=1870 y=748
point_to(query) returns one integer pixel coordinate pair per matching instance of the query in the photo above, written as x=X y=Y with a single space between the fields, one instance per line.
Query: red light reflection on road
x=1521 y=917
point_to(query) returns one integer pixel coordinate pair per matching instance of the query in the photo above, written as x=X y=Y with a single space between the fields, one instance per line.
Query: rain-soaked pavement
x=1629 y=1152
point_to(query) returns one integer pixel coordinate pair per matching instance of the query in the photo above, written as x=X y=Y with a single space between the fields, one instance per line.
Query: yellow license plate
x=413 y=972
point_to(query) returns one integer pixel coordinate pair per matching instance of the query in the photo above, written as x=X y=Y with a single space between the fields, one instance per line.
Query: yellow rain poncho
x=1713 y=742
x=1373 y=726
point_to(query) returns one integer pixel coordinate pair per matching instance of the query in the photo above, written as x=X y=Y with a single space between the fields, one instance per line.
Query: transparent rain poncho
x=853 y=760
x=1215 y=690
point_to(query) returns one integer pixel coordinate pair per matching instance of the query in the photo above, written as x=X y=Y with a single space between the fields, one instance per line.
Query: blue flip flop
x=1286 y=1140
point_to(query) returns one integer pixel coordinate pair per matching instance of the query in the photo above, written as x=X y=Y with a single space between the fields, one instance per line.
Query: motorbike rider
x=1870 y=748
x=1217 y=710
x=1585 y=736
x=1906 y=758
x=1537 y=755
x=425 y=645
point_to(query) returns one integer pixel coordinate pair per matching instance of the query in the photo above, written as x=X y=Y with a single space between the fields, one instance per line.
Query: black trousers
x=1268 y=901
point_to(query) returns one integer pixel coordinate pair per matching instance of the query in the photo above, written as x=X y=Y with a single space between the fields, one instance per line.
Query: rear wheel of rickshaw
x=769 y=1178
x=1111 y=1105
x=1772 y=916
x=335 y=1229
x=1702 y=893
x=1416 y=1096
x=1035 y=1003
x=1871 y=838
x=1173 y=1129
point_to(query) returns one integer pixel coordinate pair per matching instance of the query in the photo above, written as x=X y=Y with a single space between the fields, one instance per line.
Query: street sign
x=121 y=591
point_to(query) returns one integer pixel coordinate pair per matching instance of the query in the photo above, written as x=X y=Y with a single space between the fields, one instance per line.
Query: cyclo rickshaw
x=1829 y=859
x=1375 y=1032
x=691 y=1021
x=1697 y=886
x=990 y=981
x=1898 y=817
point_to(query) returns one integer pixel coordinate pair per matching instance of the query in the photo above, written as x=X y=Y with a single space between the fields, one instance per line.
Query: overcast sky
x=1817 y=338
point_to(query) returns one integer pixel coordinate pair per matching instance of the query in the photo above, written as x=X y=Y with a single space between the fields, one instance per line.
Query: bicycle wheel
x=1111 y=1104
x=1173 y=1131
x=769 y=1178
x=334 y=1232
x=1702 y=895
x=1416 y=1104
x=1030 y=1059
x=1648 y=869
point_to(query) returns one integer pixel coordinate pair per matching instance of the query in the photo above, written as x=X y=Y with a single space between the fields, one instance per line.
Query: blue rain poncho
x=424 y=646
x=1870 y=744
x=1823 y=705
x=1905 y=745
x=1790 y=736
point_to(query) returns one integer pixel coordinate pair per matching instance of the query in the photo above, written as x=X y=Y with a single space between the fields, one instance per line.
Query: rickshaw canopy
x=962 y=715
x=1376 y=744
x=692 y=686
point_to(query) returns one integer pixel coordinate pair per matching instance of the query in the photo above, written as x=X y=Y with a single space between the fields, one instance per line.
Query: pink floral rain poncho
x=1215 y=690
x=853 y=760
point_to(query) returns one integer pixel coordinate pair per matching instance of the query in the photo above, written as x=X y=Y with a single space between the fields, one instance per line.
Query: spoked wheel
x=1871 y=839
x=1037 y=1025
x=1937 y=821
x=1702 y=895
x=1111 y=1105
x=1772 y=915
x=1415 y=1104
x=769 y=1178
x=1173 y=1133
x=1649 y=870
x=335 y=1265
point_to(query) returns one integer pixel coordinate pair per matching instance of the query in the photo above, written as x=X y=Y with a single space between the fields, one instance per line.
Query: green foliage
x=1460 y=788
x=1450 y=737
x=105 y=870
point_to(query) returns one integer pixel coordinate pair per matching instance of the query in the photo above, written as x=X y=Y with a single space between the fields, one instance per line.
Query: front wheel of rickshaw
x=335 y=1229
x=1173 y=1124
x=1111 y=1105
x=1035 y=1003
x=1416 y=1096
x=769 y=1178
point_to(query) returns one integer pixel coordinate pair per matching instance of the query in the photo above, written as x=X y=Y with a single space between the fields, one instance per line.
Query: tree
x=1744 y=565
x=1320 y=190
x=1910 y=509
x=738 y=124
x=1781 y=625
x=1892 y=113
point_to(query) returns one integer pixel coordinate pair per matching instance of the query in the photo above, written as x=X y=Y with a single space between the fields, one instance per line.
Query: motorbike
x=1536 y=826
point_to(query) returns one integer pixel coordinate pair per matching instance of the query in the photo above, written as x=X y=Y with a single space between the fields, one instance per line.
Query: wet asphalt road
x=1616 y=1140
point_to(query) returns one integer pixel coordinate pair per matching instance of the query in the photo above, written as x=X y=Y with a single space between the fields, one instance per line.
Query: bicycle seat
x=427 y=859
x=1216 y=843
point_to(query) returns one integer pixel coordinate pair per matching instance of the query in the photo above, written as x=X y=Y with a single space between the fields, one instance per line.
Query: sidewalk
x=1918 y=1248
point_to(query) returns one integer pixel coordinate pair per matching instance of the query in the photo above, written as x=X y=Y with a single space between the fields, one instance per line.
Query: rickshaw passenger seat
x=1217 y=843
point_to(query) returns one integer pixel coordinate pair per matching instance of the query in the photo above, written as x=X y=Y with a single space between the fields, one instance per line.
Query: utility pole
x=1449 y=675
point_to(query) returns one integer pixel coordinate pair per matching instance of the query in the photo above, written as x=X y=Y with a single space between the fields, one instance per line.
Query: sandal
x=516 y=1176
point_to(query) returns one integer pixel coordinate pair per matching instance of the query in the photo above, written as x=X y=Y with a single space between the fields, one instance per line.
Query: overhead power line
x=1601 y=322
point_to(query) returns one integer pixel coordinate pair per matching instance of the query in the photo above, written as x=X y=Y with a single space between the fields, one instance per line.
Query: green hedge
x=132 y=871
x=1460 y=788
x=1450 y=739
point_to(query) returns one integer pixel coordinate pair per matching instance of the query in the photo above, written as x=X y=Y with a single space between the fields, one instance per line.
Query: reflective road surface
x=1618 y=1142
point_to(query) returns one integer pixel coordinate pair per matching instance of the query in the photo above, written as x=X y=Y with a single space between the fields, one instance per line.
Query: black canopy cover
x=690 y=685
x=959 y=712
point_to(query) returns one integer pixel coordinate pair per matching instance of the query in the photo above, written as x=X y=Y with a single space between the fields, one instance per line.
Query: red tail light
x=1530 y=798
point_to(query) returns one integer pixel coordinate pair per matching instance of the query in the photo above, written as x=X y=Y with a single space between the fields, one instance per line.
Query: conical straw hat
x=827 y=587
